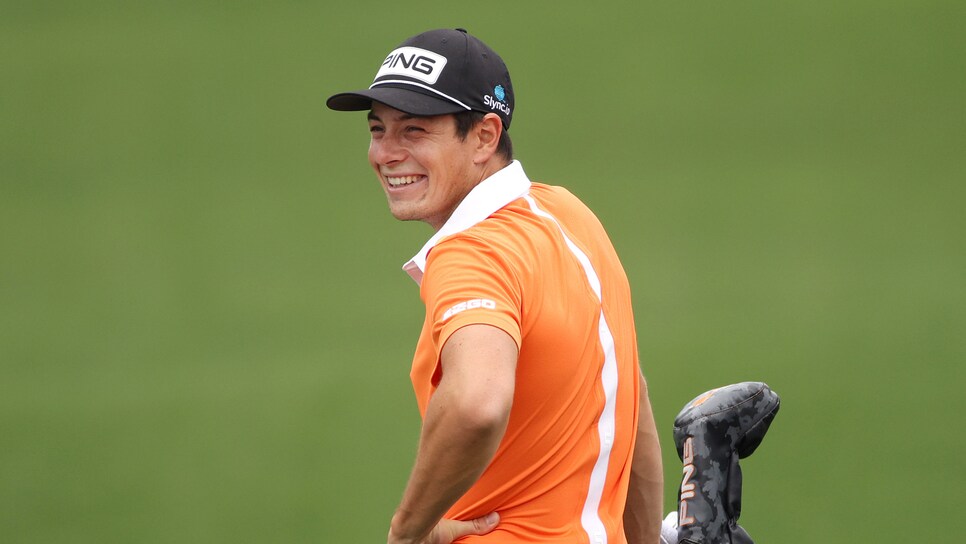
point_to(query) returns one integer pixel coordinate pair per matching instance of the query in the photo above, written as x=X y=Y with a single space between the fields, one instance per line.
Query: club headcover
x=711 y=433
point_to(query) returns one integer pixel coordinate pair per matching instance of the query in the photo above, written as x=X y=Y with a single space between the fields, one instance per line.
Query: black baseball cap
x=435 y=73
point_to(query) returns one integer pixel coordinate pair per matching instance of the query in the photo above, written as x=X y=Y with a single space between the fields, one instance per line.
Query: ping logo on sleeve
x=469 y=305
x=413 y=62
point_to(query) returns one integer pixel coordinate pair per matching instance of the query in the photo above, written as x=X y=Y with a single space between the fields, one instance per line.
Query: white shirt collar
x=491 y=194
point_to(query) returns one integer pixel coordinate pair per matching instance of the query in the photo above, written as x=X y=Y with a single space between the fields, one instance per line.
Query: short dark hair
x=466 y=120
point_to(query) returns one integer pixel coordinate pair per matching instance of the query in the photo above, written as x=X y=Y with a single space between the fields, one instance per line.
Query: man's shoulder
x=551 y=191
x=502 y=241
x=518 y=228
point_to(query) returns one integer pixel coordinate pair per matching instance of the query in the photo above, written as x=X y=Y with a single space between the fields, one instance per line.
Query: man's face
x=424 y=168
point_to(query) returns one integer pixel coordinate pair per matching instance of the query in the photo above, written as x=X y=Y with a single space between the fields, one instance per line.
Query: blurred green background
x=205 y=335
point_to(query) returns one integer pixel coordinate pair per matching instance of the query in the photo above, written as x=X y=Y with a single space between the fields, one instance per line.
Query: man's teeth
x=404 y=180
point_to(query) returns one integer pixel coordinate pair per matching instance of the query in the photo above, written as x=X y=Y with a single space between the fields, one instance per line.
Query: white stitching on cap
x=428 y=88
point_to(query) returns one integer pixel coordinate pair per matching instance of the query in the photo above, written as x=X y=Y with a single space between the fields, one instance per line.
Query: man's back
x=543 y=270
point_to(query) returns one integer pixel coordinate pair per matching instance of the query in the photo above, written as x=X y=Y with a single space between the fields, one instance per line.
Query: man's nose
x=386 y=150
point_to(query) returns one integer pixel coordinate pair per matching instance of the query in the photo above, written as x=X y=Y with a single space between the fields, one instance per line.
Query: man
x=536 y=421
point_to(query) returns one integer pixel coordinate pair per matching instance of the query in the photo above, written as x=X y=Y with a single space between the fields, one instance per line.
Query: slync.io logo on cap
x=498 y=103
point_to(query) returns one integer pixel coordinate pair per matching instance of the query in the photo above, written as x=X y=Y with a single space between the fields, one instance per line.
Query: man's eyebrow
x=373 y=117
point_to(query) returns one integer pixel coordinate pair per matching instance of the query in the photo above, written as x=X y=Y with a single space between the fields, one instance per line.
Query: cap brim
x=401 y=98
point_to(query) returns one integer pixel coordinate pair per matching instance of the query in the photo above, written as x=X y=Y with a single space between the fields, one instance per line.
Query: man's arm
x=464 y=423
x=645 y=494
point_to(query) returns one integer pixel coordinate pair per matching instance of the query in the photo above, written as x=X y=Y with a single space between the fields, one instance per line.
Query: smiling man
x=425 y=171
x=536 y=421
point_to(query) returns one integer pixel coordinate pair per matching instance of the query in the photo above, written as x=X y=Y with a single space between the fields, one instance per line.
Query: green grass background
x=205 y=334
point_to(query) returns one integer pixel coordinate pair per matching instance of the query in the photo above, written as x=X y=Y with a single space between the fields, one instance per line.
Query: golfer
x=536 y=421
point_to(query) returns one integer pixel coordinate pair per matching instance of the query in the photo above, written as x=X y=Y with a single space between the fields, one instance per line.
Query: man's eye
x=415 y=129
x=375 y=128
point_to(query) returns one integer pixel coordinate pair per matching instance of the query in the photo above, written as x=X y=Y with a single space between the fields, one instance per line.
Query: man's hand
x=448 y=530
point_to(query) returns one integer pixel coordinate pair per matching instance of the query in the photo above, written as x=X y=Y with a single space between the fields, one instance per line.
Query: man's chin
x=404 y=214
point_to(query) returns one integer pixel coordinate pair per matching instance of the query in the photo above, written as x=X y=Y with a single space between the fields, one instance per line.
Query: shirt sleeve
x=467 y=281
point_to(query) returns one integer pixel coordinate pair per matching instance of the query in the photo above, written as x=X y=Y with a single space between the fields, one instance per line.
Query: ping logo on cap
x=413 y=62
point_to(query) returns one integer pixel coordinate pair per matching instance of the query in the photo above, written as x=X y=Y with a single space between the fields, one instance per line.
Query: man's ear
x=488 y=133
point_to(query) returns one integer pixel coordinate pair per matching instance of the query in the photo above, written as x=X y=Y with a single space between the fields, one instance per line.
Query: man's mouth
x=399 y=181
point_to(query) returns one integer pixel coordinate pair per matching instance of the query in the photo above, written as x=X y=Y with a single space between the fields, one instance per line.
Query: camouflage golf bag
x=711 y=433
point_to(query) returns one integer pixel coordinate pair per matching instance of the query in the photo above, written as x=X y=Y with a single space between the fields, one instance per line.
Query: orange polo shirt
x=532 y=260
